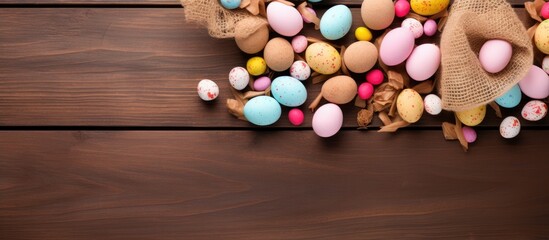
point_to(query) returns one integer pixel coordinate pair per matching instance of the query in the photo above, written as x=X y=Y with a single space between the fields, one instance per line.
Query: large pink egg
x=396 y=46
x=424 y=61
x=535 y=84
x=284 y=19
x=327 y=120
x=495 y=55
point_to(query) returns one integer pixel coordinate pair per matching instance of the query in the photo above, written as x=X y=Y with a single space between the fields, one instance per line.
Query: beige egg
x=377 y=14
x=323 y=58
x=360 y=56
x=251 y=35
x=542 y=37
x=472 y=117
x=278 y=54
x=409 y=105
x=339 y=89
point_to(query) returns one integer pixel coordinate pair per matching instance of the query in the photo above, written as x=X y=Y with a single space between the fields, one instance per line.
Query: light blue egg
x=288 y=91
x=262 y=110
x=336 y=22
x=511 y=98
x=315 y=1
x=230 y=4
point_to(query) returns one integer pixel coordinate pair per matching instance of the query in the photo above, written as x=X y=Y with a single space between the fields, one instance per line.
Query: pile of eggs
x=274 y=55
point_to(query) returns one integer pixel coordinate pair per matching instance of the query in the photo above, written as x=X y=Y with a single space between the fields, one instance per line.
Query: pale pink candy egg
x=365 y=90
x=545 y=11
x=299 y=43
x=534 y=110
x=430 y=28
x=424 y=61
x=312 y=11
x=396 y=46
x=296 y=116
x=284 y=19
x=469 y=134
x=509 y=127
x=300 y=70
x=327 y=120
x=375 y=77
x=414 y=26
x=535 y=84
x=402 y=8
x=262 y=83
x=495 y=55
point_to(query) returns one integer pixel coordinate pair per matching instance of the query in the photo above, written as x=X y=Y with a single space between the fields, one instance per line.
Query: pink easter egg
x=299 y=43
x=296 y=116
x=535 y=84
x=312 y=11
x=430 y=28
x=495 y=55
x=375 y=77
x=402 y=8
x=545 y=11
x=262 y=83
x=365 y=90
x=284 y=19
x=469 y=134
x=327 y=120
x=396 y=46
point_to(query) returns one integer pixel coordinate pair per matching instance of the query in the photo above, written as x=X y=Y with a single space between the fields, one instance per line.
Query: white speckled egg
x=433 y=104
x=300 y=70
x=509 y=127
x=534 y=110
x=545 y=64
x=262 y=110
x=288 y=91
x=414 y=26
x=207 y=90
x=239 y=78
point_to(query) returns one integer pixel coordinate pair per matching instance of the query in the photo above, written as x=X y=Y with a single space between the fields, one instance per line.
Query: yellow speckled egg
x=542 y=37
x=323 y=58
x=429 y=7
x=410 y=105
x=256 y=66
x=473 y=116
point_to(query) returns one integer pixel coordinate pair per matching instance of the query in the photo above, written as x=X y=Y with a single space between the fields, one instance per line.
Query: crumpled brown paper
x=455 y=132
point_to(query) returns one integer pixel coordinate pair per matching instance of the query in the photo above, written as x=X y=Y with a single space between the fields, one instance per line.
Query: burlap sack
x=219 y=21
x=463 y=84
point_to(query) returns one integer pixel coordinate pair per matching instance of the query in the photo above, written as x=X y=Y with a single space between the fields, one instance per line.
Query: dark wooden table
x=102 y=136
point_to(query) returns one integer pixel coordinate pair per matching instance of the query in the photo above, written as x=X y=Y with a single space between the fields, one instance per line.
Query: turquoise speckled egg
x=336 y=22
x=288 y=91
x=262 y=110
x=511 y=98
x=230 y=4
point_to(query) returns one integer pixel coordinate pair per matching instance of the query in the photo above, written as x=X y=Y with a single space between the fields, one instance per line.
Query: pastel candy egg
x=545 y=64
x=230 y=4
x=323 y=58
x=296 y=116
x=402 y=8
x=365 y=90
x=207 y=90
x=288 y=91
x=363 y=34
x=262 y=110
x=336 y=22
x=284 y=19
x=535 y=84
x=396 y=46
x=310 y=10
x=239 y=78
x=469 y=133
x=377 y=14
x=300 y=70
x=299 y=43
x=511 y=98
x=256 y=66
x=534 y=110
x=327 y=120
x=414 y=26
x=278 y=54
x=429 y=7
x=541 y=37
x=495 y=55
x=262 y=83
x=410 y=105
x=424 y=61
x=472 y=117
x=360 y=56
x=430 y=28
x=375 y=77
x=509 y=127
x=544 y=11
x=432 y=104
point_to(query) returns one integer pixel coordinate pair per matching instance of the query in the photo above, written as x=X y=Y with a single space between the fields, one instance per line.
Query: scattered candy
x=363 y=34
x=375 y=77
x=402 y=8
x=509 y=127
x=299 y=43
x=262 y=83
x=469 y=133
x=239 y=78
x=300 y=70
x=430 y=28
x=365 y=90
x=207 y=90
x=256 y=66
x=545 y=11
x=312 y=11
x=296 y=116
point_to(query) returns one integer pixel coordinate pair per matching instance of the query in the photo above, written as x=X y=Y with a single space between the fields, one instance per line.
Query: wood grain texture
x=126 y=67
x=271 y=185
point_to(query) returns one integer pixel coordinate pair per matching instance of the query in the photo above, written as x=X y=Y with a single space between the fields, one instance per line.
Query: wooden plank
x=271 y=185
x=125 y=67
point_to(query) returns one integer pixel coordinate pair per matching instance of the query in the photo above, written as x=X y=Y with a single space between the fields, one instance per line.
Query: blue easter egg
x=511 y=98
x=230 y=4
x=288 y=91
x=336 y=22
x=262 y=110
x=315 y=1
